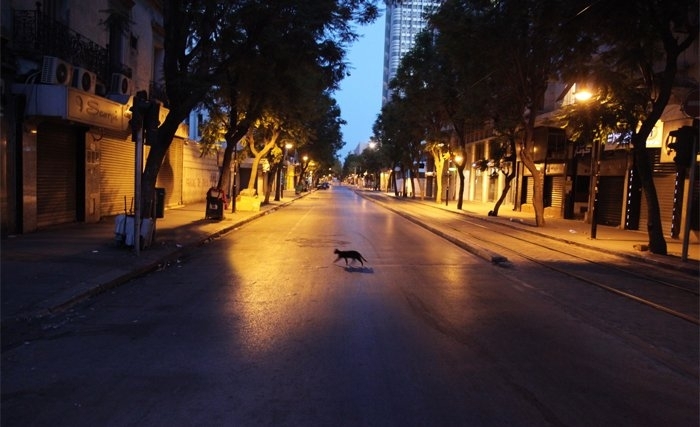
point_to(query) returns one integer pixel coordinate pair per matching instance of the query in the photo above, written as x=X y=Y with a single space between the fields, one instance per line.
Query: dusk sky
x=360 y=94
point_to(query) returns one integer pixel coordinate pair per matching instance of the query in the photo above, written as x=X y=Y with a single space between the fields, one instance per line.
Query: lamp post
x=302 y=172
x=235 y=177
x=450 y=169
x=283 y=175
x=593 y=191
x=459 y=159
x=584 y=95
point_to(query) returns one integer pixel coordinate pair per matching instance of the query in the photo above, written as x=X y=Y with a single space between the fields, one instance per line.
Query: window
x=134 y=42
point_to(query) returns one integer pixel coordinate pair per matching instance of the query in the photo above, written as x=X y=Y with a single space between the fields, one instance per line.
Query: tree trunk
x=159 y=148
x=278 y=187
x=415 y=182
x=396 y=186
x=232 y=138
x=256 y=162
x=504 y=193
x=460 y=197
x=268 y=186
x=404 y=180
x=657 y=243
x=537 y=185
x=439 y=168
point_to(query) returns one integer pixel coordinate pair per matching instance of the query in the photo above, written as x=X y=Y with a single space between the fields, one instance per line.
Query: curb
x=483 y=253
x=501 y=260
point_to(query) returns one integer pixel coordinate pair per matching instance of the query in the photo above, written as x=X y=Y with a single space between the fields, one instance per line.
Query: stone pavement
x=52 y=269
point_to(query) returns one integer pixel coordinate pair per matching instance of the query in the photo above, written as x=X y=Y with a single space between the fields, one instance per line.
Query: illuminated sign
x=94 y=110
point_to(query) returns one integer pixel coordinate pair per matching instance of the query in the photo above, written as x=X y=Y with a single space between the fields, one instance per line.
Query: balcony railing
x=37 y=34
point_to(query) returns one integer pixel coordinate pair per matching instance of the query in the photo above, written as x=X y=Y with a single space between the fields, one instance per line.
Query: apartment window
x=134 y=42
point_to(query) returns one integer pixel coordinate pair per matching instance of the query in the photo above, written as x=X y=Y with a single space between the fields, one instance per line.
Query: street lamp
x=451 y=168
x=283 y=175
x=302 y=171
x=584 y=95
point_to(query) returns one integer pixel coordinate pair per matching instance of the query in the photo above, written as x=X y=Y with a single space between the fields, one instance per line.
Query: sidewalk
x=608 y=239
x=51 y=269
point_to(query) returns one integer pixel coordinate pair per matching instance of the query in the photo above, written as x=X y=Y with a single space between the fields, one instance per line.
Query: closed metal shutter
x=665 y=187
x=170 y=175
x=557 y=193
x=529 y=186
x=610 y=196
x=643 y=211
x=117 y=170
x=57 y=165
x=665 y=191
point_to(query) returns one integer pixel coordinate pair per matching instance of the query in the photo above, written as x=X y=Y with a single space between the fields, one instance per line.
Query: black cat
x=353 y=255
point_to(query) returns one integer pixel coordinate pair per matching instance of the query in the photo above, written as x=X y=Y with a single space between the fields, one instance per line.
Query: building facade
x=404 y=20
x=569 y=169
x=69 y=73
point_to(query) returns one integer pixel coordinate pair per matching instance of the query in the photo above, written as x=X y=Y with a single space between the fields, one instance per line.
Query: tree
x=193 y=62
x=632 y=75
x=418 y=84
x=460 y=30
x=204 y=39
x=351 y=165
x=513 y=50
x=400 y=140
x=324 y=138
x=673 y=26
x=504 y=159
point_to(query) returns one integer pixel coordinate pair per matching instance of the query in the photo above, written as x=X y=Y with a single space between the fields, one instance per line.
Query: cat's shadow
x=352 y=269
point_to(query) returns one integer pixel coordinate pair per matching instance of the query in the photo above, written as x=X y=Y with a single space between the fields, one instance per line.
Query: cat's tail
x=363 y=258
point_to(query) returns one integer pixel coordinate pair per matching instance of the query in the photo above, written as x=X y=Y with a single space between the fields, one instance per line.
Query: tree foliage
x=491 y=63
x=419 y=86
x=634 y=71
x=243 y=50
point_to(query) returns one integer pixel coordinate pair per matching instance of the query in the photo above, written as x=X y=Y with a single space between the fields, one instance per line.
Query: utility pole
x=144 y=117
x=138 y=110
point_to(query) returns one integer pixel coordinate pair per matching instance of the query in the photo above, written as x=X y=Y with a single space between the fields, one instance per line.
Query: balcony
x=36 y=35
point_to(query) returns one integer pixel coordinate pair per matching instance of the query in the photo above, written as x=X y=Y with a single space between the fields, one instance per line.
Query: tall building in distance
x=403 y=22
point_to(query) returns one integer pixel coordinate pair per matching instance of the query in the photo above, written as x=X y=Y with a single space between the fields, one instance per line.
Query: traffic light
x=684 y=144
x=151 y=122
x=138 y=110
x=145 y=115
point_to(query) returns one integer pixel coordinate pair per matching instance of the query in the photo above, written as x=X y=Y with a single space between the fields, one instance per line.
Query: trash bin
x=216 y=198
x=160 y=202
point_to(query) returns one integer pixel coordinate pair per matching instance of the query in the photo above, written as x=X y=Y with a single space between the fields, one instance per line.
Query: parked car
x=322 y=186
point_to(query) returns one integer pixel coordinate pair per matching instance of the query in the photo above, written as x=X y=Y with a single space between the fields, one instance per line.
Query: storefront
x=75 y=159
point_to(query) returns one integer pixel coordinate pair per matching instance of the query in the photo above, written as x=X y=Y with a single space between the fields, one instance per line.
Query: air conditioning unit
x=56 y=71
x=84 y=80
x=121 y=84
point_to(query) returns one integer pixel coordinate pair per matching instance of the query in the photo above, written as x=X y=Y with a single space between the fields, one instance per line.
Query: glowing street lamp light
x=584 y=95
x=285 y=167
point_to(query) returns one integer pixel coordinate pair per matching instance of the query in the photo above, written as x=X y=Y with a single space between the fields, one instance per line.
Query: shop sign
x=96 y=111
